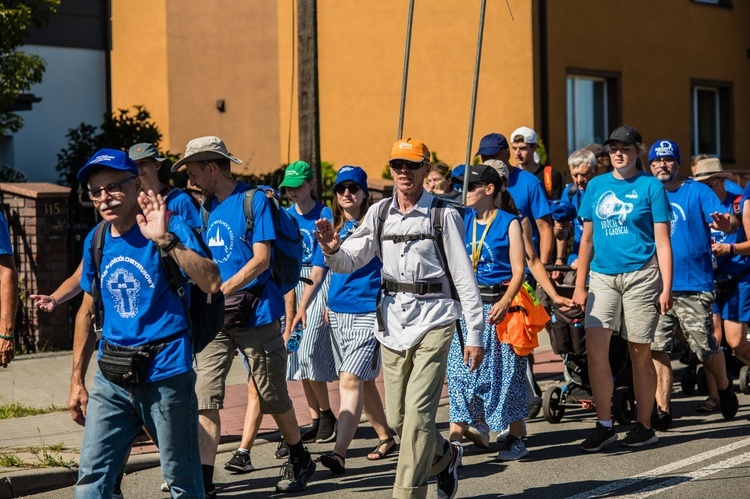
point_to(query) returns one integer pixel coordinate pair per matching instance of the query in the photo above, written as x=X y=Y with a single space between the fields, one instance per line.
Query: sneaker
x=165 y=487
x=598 y=438
x=639 y=436
x=117 y=495
x=513 y=450
x=447 y=480
x=661 y=420
x=503 y=435
x=240 y=463
x=728 y=402
x=282 y=451
x=311 y=433
x=116 y=490
x=211 y=494
x=295 y=482
x=479 y=434
x=326 y=429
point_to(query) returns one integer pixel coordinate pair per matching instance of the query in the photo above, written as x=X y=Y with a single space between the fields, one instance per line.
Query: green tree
x=19 y=70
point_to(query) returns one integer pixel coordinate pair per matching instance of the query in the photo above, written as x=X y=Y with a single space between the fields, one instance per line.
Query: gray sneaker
x=513 y=450
x=479 y=434
x=506 y=431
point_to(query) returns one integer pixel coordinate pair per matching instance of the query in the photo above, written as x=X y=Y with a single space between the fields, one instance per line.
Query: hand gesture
x=328 y=239
x=722 y=222
x=153 y=220
x=44 y=303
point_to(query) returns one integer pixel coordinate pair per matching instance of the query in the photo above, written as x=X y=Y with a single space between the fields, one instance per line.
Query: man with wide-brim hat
x=706 y=170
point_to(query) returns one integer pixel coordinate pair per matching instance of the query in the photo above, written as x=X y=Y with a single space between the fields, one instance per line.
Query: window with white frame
x=587 y=111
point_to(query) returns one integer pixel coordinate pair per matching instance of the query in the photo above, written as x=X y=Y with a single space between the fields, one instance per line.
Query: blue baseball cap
x=458 y=171
x=107 y=158
x=353 y=174
x=492 y=144
x=562 y=211
x=664 y=149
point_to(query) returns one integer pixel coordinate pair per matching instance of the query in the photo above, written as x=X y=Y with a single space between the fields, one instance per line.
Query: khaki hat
x=411 y=150
x=500 y=167
x=205 y=149
x=709 y=168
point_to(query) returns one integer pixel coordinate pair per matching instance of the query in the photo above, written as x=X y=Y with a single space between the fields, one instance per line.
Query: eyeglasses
x=341 y=189
x=663 y=161
x=400 y=164
x=473 y=186
x=111 y=189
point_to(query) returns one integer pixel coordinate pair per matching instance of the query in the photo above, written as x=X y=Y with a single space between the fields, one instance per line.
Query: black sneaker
x=728 y=402
x=211 y=494
x=326 y=429
x=282 y=451
x=447 y=480
x=661 y=420
x=598 y=438
x=240 y=463
x=639 y=436
x=312 y=432
x=295 y=482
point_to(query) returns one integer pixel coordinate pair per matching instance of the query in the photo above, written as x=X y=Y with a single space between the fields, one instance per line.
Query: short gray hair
x=582 y=156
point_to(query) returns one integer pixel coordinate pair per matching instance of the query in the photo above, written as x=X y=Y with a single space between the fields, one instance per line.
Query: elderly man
x=145 y=375
x=418 y=312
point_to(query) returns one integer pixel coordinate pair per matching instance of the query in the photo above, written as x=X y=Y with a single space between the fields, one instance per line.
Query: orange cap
x=410 y=150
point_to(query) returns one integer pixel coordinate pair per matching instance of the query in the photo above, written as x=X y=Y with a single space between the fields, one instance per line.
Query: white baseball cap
x=529 y=135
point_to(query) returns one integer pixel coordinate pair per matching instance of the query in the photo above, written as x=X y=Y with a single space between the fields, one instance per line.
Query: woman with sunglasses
x=352 y=300
x=314 y=362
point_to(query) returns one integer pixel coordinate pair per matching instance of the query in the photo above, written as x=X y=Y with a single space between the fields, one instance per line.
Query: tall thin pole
x=405 y=76
x=473 y=101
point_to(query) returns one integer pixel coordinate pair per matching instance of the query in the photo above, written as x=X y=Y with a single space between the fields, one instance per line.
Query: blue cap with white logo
x=353 y=174
x=107 y=158
x=664 y=149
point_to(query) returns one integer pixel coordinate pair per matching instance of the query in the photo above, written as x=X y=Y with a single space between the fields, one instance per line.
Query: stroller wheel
x=623 y=405
x=688 y=380
x=551 y=404
x=701 y=380
x=745 y=380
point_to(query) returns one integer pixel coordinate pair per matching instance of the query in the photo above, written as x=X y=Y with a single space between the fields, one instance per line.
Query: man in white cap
x=243 y=255
x=523 y=141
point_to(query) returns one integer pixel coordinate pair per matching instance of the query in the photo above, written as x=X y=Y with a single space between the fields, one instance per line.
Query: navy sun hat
x=353 y=174
x=492 y=144
x=562 y=211
x=664 y=149
x=107 y=158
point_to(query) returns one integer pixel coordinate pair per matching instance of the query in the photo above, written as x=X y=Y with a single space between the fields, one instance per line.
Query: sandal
x=707 y=406
x=381 y=455
x=334 y=462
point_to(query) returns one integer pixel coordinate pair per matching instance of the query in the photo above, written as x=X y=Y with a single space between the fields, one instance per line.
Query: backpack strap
x=548 y=181
x=737 y=205
x=382 y=215
x=204 y=213
x=572 y=191
x=100 y=235
x=247 y=206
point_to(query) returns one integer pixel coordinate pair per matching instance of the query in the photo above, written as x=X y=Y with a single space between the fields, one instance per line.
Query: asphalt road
x=703 y=456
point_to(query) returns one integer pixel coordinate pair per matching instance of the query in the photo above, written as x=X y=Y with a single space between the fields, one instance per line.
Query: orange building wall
x=361 y=55
x=658 y=47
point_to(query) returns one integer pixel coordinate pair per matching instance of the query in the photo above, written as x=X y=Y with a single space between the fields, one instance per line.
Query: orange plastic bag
x=525 y=318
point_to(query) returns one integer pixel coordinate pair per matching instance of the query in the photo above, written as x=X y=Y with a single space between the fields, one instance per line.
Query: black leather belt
x=492 y=294
x=417 y=288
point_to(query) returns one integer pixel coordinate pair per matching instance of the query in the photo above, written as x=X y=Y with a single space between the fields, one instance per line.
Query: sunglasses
x=341 y=189
x=400 y=164
x=473 y=186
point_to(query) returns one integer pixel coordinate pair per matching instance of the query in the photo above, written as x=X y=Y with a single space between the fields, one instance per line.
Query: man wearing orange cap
x=417 y=312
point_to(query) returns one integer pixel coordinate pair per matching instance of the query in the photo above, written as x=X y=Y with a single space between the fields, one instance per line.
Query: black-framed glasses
x=473 y=186
x=341 y=189
x=400 y=164
x=664 y=161
x=111 y=189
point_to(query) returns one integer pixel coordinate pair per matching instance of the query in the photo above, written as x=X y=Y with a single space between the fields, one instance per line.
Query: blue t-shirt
x=139 y=305
x=312 y=254
x=494 y=259
x=355 y=293
x=575 y=200
x=232 y=248
x=729 y=264
x=181 y=203
x=734 y=187
x=5 y=247
x=530 y=199
x=623 y=213
x=692 y=204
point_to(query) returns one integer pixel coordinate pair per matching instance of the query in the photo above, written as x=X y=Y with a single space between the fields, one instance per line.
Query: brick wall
x=37 y=215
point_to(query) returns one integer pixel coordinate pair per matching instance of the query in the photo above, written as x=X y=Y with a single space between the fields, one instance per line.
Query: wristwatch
x=174 y=241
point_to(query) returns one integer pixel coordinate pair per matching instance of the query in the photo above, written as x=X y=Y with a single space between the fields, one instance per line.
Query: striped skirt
x=315 y=359
x=355 y=335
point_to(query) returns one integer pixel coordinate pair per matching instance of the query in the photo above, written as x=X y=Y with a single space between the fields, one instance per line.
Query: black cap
x=483 y=173
x=625 y=134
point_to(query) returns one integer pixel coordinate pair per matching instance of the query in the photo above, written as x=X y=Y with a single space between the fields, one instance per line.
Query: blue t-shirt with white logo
x=139 y=305
x=530 y=199
x=232 y=248
x=692 y=205
x=729 y=264
x=623 y=214
x=311 y=254
x=355 y=293
x=181 y=203
x=574 y=199
x=494 y=259
x=5 y=247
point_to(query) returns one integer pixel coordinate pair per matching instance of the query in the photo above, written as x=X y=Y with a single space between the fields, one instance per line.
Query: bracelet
x=9 y=338
x=54 y=300
x=732 y=249
x=171 y=244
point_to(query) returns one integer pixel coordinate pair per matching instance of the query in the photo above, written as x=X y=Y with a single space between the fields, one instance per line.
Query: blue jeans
x=167 y=408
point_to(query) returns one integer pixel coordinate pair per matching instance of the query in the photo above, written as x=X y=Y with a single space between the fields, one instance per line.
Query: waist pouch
x=492 y=294
x=127 y=366
x=238 y=307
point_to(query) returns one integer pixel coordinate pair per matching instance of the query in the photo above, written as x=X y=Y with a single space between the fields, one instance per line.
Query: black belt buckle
x=422 y=288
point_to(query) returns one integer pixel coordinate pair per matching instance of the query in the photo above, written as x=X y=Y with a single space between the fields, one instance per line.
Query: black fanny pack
x=492 y=294
x=127 y=366
x=239 y=306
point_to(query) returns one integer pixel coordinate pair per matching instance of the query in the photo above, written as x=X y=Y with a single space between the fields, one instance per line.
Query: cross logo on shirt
x=123 y=288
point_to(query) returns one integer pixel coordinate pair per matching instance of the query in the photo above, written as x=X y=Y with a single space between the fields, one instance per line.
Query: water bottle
x=293 y=344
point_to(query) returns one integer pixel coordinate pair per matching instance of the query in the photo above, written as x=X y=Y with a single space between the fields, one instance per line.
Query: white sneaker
x=164 y=487
x=479 y=434
x=503 y=435
x=513 y=451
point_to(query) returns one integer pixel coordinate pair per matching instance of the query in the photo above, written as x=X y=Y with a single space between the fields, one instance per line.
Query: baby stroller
x=568 y=339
